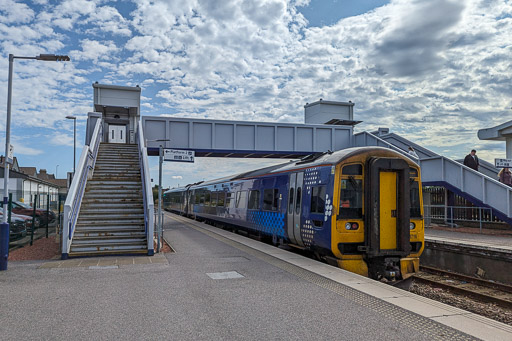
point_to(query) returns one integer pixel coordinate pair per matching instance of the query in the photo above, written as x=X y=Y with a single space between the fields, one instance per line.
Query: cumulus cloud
x=434 y=71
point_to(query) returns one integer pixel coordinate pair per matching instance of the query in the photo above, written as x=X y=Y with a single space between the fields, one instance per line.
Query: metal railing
x=366 y=139
x=147 y=193
x=454 y=215
x=84 y=172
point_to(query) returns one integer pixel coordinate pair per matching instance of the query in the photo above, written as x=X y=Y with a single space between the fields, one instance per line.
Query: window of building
x=270 y=199
x=254 y=200
x=318 y=199
x=241 y=199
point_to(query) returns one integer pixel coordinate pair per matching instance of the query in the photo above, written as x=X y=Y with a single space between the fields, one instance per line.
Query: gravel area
x=44 y=248
x=485 y=309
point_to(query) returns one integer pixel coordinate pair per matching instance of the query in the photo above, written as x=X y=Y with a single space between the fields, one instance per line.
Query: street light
x=4 y=227
x=56 y=170
x=74 y=141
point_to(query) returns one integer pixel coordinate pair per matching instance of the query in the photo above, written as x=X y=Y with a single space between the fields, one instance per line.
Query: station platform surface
x=220 y=286
x=453 y=235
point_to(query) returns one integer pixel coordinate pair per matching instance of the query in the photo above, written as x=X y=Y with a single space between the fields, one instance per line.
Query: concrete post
x=508 y=141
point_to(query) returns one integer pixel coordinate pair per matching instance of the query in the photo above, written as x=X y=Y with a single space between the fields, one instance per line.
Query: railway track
x=475 y=288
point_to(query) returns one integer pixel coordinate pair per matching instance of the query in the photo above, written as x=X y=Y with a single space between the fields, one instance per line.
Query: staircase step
x=111 y=204
x=99 y=197
x=134 y=225
x=109 y=190
x=106 y=253
x=102 y=247
x=109 y=233
x=107 y=240
x=94 y=182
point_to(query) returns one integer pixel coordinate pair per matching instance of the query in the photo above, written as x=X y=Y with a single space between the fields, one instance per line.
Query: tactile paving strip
x=429 y=328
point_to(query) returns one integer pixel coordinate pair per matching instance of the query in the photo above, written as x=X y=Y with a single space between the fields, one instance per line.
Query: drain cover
x=224 y=275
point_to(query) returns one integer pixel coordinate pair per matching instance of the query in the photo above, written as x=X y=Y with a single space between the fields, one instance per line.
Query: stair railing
x=147 y=193
x=76 y=191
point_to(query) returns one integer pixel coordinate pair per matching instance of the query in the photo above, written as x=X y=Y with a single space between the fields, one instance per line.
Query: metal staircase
x=111 y=218
x=436 y=170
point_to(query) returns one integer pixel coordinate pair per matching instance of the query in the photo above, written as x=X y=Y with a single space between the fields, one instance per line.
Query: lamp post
x=56 y=170
x=4 y=227
x=74 y=141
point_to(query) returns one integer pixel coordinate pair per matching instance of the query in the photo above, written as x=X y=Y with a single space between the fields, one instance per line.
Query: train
x=360 y=209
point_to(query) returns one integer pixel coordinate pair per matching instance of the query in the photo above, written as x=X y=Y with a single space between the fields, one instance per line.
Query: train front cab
x=378 y=229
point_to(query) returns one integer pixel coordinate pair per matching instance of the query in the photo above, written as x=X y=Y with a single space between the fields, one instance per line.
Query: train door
x=294 y=211
x=388 y=210
x=388 y=213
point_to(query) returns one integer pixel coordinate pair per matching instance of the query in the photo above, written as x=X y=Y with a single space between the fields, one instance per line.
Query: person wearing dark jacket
x=471 y=160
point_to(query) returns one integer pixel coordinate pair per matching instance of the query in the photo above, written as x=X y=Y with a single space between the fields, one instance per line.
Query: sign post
x=176 y=155
x=503 y=163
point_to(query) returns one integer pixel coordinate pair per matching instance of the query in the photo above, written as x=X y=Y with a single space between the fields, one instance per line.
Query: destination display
x=179 y=155
x=503 y=163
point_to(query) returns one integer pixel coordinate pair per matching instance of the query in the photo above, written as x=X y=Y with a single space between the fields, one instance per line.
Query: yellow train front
x=378 y=230
x=358 y=208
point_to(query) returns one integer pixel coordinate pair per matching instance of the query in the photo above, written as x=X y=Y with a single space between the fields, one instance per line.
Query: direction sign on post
x=502 y=163
x=179 y=155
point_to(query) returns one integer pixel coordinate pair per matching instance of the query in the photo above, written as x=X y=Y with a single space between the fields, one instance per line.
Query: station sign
x=179 y=155
x=502 y=163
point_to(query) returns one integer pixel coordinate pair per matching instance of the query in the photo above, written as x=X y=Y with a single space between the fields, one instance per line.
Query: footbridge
x=109 y=208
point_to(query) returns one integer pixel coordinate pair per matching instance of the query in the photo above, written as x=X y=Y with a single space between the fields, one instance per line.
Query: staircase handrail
x=379 y=143
x=149 y=207
x=76 y=191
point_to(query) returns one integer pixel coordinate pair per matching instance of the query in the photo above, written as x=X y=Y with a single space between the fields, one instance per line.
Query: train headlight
x=351 y=226
x=412 y=226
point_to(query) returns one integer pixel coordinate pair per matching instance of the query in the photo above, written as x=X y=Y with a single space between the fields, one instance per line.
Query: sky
x=432 y=71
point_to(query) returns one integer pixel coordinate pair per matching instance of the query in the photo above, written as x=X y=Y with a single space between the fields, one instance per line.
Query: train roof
x=312 y=160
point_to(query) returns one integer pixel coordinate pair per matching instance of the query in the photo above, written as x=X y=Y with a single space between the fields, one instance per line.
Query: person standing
x=471 y=160
x=505 y=176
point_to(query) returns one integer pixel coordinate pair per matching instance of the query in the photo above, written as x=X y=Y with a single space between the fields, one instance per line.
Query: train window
x=351 y=198
x=241 y=199
x=270 y=199
x=207 y=198
x=413 y=172
x=220 y=200
x=318 y=199
x=352 y=170
x=229 y=199
x=290 y=204
x=254 y=200
x=214 y=199
x=201 y=199
x=297 y=202
x=415 y=210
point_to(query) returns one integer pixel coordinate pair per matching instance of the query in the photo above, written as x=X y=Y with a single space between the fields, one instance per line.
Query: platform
x=221 y=286
x=484 y=241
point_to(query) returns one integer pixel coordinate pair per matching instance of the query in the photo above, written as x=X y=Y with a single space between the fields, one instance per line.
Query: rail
x=147 y=193
x=76 y=191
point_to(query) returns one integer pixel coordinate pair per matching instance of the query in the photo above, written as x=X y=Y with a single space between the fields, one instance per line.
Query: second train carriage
x=358 y=207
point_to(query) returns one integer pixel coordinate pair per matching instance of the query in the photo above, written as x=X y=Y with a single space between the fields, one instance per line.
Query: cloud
x=176 y=177
x=94 y=50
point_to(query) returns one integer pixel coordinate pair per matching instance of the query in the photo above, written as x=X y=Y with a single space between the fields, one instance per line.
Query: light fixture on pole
x=56 y=170
x=4 y=227
x=74 y=141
